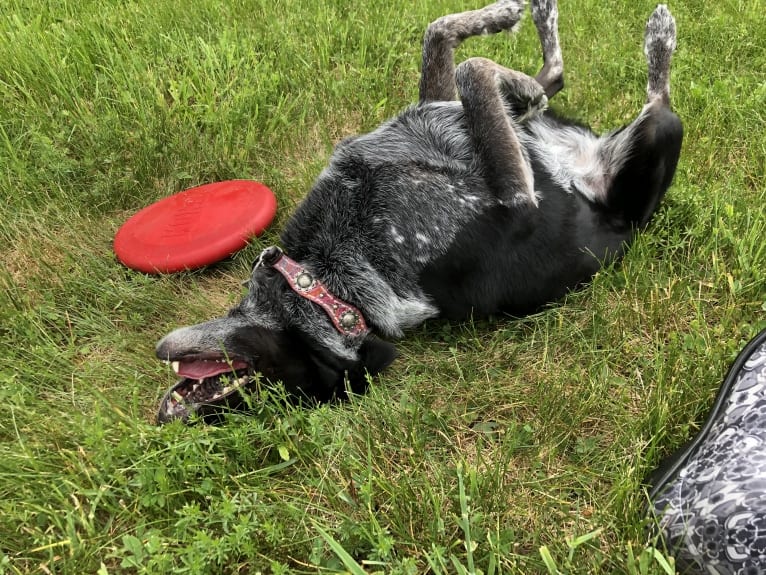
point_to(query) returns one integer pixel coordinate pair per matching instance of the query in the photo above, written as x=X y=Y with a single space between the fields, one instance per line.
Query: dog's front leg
x=437 y=80
x=485 y=87
x=545 y=14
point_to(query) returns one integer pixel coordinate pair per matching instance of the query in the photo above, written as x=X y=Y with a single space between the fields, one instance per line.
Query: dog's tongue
x=202 y=368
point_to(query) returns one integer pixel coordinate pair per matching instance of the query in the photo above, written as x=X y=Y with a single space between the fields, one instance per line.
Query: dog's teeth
x=177 y=396
x=176 y=365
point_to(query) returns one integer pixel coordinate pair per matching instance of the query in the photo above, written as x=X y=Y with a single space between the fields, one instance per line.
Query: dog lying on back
x=455 y=208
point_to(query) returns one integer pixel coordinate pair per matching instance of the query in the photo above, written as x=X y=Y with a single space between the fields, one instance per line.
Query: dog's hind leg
x=545 y=14
x=641 y=158
x=484 y=86
x=444 y=35
x=659 y=45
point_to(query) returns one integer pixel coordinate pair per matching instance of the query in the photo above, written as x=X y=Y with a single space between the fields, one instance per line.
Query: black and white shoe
x=709 y=498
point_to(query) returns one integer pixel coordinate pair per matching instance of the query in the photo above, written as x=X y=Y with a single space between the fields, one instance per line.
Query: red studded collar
x=347 y=319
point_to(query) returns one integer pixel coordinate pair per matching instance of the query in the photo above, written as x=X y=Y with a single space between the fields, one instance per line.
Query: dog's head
x=217 y=357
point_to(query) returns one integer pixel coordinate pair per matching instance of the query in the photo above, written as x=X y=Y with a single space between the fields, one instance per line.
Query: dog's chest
x=422 y=185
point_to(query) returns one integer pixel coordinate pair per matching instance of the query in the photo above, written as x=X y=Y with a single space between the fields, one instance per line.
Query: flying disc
x=195 y=227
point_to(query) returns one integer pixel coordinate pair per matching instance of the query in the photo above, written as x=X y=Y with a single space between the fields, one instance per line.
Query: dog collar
x=347 y=319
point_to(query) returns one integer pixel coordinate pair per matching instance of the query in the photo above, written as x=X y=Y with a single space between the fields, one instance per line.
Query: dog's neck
x=298 y=313
x=354 y=279
x=346 y=318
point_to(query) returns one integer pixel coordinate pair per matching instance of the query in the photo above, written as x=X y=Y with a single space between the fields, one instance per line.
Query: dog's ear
x=376 y=354
x=330 y=372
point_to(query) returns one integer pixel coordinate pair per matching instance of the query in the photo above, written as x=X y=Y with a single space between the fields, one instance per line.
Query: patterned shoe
x=709 y=499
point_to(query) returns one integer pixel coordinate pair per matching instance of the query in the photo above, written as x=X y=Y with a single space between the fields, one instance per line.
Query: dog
x=488 y=203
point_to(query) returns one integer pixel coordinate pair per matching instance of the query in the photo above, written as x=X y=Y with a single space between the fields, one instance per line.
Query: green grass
x=501 y=445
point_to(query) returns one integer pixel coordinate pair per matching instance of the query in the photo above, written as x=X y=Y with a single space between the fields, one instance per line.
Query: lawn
x=498 y=445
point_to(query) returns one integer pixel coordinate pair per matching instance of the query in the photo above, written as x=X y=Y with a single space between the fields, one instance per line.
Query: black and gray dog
x=488 y=203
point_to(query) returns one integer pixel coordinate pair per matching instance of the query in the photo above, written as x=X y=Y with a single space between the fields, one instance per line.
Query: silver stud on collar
x=304 y=280
x=349 y=319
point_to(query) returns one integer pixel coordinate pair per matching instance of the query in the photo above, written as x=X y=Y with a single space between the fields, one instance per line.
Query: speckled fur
x=479 y=205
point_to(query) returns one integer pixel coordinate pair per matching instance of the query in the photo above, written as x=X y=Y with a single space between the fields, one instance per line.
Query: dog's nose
x=176 y=344
x=163 y=349
x=210 y=337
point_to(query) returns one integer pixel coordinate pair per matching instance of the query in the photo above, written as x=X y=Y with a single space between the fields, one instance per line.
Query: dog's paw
x=523 y=94
x=502 y=15
x=660 y=37
x=534 y=108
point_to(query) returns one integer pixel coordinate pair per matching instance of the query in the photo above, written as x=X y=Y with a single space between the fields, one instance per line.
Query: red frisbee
x=196 y=227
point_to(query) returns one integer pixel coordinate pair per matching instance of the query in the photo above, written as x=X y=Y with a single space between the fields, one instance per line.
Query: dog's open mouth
x=205 y=385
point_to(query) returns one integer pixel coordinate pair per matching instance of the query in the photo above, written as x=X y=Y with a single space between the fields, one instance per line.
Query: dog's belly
x=517 y=262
